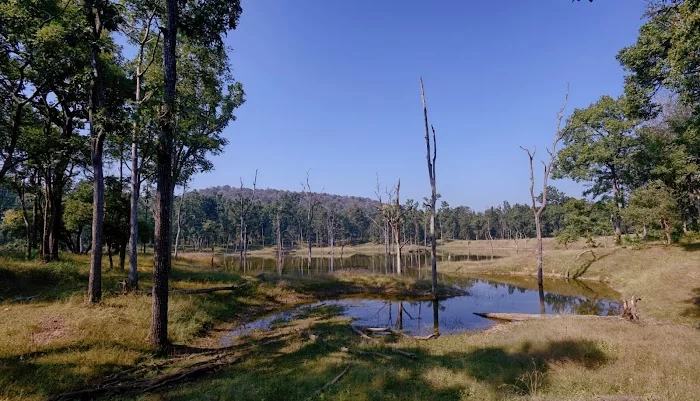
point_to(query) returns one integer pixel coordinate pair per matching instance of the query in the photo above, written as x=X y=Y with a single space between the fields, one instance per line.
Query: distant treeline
x=212 y=217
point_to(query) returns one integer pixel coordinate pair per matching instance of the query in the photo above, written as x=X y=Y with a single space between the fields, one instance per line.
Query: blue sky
x=332 y=87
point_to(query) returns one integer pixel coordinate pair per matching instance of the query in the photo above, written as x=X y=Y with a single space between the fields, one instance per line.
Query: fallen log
x=149 y=384
x=330 y=383
x=363 y=335
x=400 y=333
x=519 y=317
x=393 y=349
x=364 y=353
x=209 y=290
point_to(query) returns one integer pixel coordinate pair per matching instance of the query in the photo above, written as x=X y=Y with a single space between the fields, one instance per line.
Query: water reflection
x=415 y=263
x=456 y=314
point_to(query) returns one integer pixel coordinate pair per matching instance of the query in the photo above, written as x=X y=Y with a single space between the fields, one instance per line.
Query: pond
x=455 y=315
x=415 y=263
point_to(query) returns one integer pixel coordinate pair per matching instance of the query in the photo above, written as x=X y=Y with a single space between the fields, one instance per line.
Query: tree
x=537 y=211
x=433 y=196
x=101 y=16
x=143 y=17
x=653 y=205
x=164 y=190
x=600 y=142
x=78 y=211
x=311 y=201
x=203 y=22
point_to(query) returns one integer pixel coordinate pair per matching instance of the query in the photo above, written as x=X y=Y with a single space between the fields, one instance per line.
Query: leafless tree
x=433 y=196
x=395 y=218
x=278 y=226
x=331 y=225
x=245 y=204
x=537 y=211
x=179 y=217
x=385 y=227
x=311 y=202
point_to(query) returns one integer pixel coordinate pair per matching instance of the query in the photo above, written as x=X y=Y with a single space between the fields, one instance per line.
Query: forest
x=111 y=110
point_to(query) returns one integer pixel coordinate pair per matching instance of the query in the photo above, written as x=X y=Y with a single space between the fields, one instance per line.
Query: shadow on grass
x=48 y=281
x=694 y=309
x=297 y=369
x=46 y=371
x=693 y=247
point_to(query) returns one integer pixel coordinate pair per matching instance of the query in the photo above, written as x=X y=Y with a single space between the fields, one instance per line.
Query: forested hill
x=270 y=196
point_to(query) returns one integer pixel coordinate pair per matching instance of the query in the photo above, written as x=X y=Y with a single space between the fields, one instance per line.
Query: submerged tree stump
x=629 y=308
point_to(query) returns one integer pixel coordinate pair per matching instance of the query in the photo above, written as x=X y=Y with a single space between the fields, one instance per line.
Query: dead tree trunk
x=179 y=218
x=537 y=211
x=311 y=203
x=244 y=207
x=395 y=216
x=279 y=240
x=433 y=196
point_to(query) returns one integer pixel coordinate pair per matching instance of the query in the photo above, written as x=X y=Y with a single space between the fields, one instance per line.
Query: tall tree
x=100 y=16
x=164 y=187
x=142 y=17
x=204 y=23
x=537 y=211
x=600 y=142
x=433 y=188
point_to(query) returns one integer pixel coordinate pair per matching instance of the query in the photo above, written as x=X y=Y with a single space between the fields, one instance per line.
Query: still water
x=417 y=263
x=454 y=315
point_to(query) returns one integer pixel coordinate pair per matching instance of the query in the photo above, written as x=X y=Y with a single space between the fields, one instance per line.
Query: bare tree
x=433 y=195
x=393 y=214
x=385 y=227
x=537 y=211
x=311 y=202
x=278 y=226
x=179 y=217
x=245 y=204
x=330 y=225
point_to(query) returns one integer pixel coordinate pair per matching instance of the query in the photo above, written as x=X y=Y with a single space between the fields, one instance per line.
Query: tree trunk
x=433 y=196
x=667 y=231
x=133 y=280
x=279 y=242
x=97 y=137
x=122 y=255
x=540 y=250
x=158 y=332
x=179 y=218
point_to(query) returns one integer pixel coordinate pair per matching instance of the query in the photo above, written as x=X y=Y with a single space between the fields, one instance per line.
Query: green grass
x=565 y=360
x=58 y=343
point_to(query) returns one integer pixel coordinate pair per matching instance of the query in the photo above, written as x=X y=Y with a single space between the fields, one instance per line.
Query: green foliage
x=653 y=206
x=13 y=224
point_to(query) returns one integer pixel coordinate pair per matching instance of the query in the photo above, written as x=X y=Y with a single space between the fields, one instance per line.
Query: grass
x=574 y=360
x=666 y=278
x=57 y=342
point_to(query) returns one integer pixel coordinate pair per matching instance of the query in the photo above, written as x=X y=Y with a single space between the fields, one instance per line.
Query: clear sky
x=332 y=87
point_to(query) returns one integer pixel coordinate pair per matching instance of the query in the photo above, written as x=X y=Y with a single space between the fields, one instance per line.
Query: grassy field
x=55 y=342
x=666 y=278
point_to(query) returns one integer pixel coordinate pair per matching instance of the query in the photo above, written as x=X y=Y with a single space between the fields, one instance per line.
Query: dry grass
x=567 y=359
x=666 y=278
